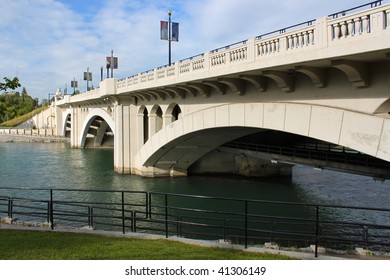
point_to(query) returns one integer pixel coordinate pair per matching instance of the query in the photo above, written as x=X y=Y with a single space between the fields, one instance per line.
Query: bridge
x=324 y=82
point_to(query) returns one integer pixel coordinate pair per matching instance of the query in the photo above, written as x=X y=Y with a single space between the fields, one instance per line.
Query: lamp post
x=169 y=37
x=169 y=31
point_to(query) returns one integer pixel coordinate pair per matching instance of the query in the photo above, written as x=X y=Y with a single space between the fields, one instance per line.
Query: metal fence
x=246 y=222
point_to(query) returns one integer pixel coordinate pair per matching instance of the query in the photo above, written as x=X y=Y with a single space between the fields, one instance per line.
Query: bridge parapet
x=326 y=37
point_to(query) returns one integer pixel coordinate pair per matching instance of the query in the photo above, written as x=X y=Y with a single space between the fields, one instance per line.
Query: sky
x=48 y=43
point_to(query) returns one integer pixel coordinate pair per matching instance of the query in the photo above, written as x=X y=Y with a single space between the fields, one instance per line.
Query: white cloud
x=48 y=42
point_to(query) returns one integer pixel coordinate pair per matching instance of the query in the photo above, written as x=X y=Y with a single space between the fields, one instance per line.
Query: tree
x=9 y=84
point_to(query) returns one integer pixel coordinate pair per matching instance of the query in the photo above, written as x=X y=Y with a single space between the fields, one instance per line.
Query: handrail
x=165 y=213
x=344 y=12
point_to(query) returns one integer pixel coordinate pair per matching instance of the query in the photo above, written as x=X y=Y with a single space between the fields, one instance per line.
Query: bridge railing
x=46 y=132
x=314 y=34
x=204 y=217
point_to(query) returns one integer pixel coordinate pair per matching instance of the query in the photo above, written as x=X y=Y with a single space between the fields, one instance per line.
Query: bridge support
x=218 y=162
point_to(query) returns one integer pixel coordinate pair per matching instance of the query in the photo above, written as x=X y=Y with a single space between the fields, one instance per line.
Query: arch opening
x=145 y=125
x=67 y=126
x=99 y=134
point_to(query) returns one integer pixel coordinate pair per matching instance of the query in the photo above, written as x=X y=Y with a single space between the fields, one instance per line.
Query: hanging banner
x=87 y=76
x=164 y=30
x=74 y=84
x=175 y=31
x=108 y=62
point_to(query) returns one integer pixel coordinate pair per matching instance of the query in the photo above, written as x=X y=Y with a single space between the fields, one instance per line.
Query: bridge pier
x=217 y=162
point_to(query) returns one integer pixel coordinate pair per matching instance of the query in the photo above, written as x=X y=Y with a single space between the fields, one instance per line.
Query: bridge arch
x=180 y=144
x=173 y=113
x=143 y=123
x=105 y=123
x=66 y=123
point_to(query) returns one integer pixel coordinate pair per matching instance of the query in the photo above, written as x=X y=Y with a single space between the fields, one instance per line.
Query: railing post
x=123 y=213
x=166 y=215
x=51 y=210
x=246 y=224
x=317 y=230
x=90 y=216
x=150 y=205
x=134 y=217
x=10 y=207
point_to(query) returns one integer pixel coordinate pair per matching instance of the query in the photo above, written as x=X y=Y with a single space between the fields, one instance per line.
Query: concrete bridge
x=326 y=80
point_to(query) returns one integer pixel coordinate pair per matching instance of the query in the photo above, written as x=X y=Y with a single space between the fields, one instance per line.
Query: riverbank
x=7 y=138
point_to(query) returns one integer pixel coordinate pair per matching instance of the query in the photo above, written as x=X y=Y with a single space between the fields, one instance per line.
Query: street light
x=169 y=31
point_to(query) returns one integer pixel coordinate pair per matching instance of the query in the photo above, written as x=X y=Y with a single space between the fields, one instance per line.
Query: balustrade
x=198 y=64
x=268 y=47
x=218 y=59
x=184 y=67
x=321 y=33
x=239 y=54
x=351 y=27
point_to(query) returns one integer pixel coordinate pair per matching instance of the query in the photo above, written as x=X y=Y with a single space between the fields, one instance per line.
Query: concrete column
x=74 y=129
x=118 y=140
x=127 y=139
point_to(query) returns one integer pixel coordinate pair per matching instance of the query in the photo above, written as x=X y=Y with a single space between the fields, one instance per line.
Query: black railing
x=314 y=151
x=234 y=220
x=344 y=12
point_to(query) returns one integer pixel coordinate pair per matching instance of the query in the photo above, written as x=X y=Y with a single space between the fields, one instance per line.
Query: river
x=56 y=165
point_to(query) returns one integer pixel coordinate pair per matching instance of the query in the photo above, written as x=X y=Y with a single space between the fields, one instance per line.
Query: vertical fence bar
x=246 y=224
x=48 y=213
x=147 y=205
x=51 y=210
x=123 y=213
x=317 y=230
x=166 y=215
x=150 y=205
x=91 y=218
x=10 y=207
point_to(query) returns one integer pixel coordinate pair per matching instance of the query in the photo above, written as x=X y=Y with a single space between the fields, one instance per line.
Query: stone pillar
x=118 y=140
x=74 y=129
x=122 y=140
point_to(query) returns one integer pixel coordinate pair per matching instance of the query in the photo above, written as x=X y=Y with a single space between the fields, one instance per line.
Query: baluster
x=351 y=26
x=277 y=42
x=289 y=42
x=296 y=39
x=360 y=26
x=366 y=24
x=343 y=29
x=262 y=48
x=337 y=31
x=307 y=38
x=302 y=36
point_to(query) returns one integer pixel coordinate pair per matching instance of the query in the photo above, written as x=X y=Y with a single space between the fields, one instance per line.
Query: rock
x=320 y=250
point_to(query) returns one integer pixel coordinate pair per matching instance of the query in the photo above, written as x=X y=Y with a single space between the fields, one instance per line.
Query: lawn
x=46 y=245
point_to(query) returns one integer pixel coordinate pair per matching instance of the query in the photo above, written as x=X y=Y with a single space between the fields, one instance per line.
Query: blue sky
x=47 y=43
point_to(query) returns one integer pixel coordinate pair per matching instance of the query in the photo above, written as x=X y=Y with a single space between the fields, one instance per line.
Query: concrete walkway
x=204 y=243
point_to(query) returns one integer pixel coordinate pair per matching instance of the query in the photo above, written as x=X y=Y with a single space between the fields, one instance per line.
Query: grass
x=19 y=120
x=45 y=245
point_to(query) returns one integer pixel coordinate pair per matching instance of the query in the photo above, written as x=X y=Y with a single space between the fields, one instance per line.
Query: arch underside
x=98 y=130
x=179 y=145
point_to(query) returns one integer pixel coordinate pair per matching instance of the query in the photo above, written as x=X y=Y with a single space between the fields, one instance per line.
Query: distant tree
x=9 y=84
